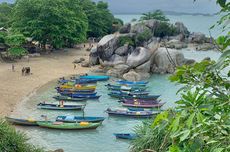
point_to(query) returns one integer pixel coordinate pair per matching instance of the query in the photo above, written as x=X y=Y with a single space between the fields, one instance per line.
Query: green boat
x=68 y=126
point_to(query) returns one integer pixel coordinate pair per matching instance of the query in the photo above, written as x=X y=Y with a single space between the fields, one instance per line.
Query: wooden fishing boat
x=125 y=88
x=95 y=77
x=85 y=96
x=128 y=113
x=66 y=98
x=72 y=119
x=143 y=105
x=148 y=97
x=78 y=81
x=23 y=122
x=131 y=92
x=77 y=87
x=68 y=126
x=59 y=90
x=60 y=107
x=81 y=94
x=129 y=136
x=132 y=101
x=132 y=82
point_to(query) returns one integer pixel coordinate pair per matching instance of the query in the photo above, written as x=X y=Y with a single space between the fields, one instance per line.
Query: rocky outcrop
x=133 y=53
x=118 y=70
x=106 y=46
x=165 y=61
x=126 y=28
x=93 y=56
x=123 y=50
x=134 y=76
x=139 y=56
x=197 y=37
x=181 y=28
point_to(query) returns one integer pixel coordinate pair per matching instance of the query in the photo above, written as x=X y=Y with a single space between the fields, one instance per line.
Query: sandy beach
x=14 y=87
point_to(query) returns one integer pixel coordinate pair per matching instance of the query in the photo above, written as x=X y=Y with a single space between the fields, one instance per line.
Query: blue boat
x=127 y=96
x=129 y=136
x=85 y=96
x=132 y=82
x=59 y=107
x=131 y=92
x=95 y=77
x=126 y=88
x=129 y=113
x=73 y=119
x=73 y=93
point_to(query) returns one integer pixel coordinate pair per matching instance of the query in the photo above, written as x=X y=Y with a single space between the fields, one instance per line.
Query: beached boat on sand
x=23 y=122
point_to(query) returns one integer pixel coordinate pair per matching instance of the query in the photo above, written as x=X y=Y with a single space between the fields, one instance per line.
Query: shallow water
x=102 y=138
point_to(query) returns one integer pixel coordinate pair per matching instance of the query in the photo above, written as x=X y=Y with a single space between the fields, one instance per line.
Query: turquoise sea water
x=101 y=139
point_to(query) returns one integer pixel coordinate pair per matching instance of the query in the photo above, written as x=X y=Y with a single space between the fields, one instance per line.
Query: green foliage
x=5 y=14
x=58 y=23
x=150 y=138
x=16 y=52
x=157 y=15
x=126 y=40
x=15 y=42
x=100 y=19
x=165 y=29
x=2 y=37
x=201 y=120
x=14 y=141
x=143 y=37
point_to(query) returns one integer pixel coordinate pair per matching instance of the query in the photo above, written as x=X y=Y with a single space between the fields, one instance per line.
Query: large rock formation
x=133 y=53
x=138 y=57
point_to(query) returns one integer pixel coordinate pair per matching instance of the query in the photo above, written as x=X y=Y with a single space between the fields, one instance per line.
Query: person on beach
x=74 y=67
x=13 y=68
x=23 y=71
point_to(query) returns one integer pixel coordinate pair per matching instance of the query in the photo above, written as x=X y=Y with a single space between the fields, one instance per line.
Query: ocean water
x=101 y=139
x=194 y=23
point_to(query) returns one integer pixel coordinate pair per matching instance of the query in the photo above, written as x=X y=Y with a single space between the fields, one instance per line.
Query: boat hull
x=58 y=107
x=143 y=105
x=129 y=136
x=64 y=98
x=68 y=126
x=73 y=119
x=22 y=122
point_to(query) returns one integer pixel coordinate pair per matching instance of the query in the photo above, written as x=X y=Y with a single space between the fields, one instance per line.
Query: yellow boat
x=78 y=87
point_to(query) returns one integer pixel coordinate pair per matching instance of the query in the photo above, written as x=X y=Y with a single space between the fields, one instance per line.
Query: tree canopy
x=58 y=23
x=100 y=19
x=5 y=14
x=157 y=15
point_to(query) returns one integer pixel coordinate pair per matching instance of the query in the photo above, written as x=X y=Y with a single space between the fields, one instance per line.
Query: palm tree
x=157 y=15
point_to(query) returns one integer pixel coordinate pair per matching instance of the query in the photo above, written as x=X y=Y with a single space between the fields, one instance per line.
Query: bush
x=150 y=138
x=126 y=40
x=15 y=40
x=14 y=141
x=143 y=37
x=165 y=29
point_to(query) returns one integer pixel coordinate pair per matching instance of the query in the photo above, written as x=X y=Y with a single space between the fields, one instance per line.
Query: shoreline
x=14 y=87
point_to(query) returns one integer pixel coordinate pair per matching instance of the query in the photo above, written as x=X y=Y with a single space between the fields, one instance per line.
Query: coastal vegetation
x=157 y=15
x=58 y=24
x=14 y=141
x=200 y=121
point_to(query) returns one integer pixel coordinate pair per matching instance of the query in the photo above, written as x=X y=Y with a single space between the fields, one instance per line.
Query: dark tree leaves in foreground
x=14 y=141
